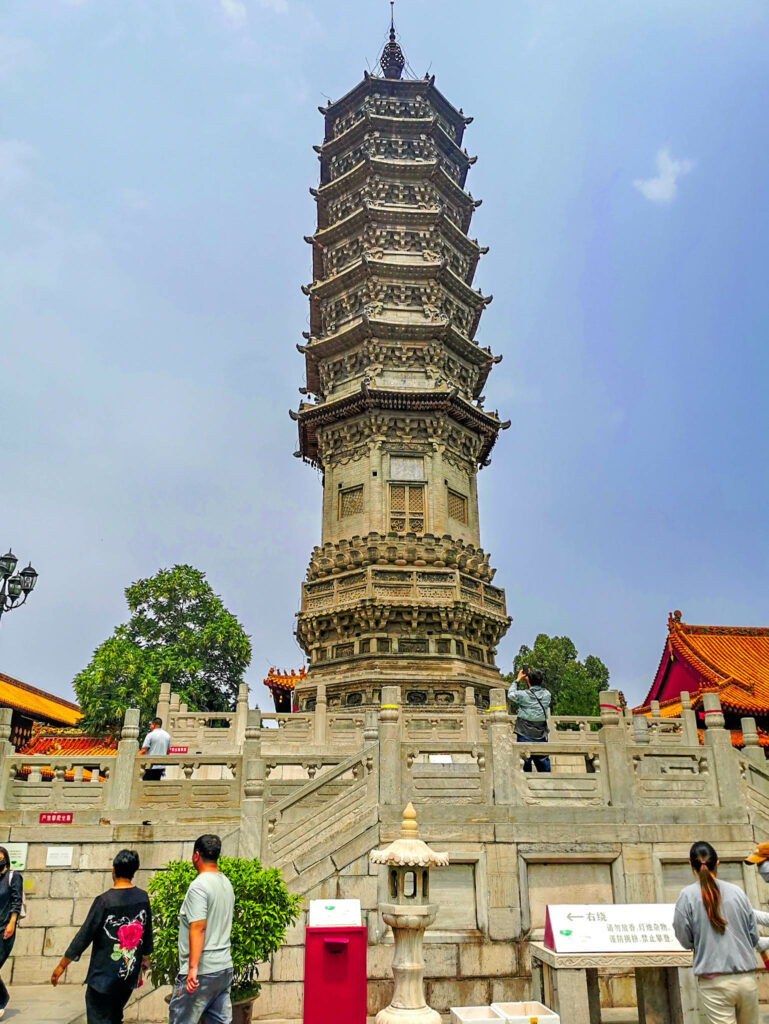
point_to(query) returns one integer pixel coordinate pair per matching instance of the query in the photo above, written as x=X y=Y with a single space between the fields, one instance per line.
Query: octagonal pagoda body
x=399 y=591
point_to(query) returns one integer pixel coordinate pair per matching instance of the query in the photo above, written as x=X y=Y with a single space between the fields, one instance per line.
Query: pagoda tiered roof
x=365 y=326
x=309 y=417
x=415 y=86
x=402 y=170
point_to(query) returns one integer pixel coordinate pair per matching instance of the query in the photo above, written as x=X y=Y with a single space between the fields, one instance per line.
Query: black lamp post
x=15 y=587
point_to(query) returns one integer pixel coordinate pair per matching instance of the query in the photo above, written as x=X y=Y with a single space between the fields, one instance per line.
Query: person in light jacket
x=11 y=888
x=716 y=921
x=532 y=703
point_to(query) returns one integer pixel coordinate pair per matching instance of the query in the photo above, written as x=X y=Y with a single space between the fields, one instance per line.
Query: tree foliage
x=179 y=632
x=264 y=908
x=574 y=684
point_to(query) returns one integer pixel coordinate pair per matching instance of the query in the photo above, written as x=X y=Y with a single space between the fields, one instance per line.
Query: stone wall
x=312 y=794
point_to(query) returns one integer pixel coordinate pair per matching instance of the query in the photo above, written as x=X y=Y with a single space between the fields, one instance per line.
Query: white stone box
x=476 y=1014
x=522 y=1013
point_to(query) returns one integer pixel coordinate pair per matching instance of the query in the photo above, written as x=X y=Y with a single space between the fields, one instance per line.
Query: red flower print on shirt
x=130 y=935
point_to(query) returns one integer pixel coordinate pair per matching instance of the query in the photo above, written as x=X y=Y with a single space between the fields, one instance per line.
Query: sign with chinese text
x=177 y=750
x=611 y=928
x=18 y=854
x=59 y=856
x=335 y=914
x=60 y=818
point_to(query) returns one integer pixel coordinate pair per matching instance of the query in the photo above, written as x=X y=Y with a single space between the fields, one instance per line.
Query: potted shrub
x=264 y=908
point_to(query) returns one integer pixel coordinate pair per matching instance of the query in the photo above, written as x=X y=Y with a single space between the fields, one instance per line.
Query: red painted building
x=732 y=661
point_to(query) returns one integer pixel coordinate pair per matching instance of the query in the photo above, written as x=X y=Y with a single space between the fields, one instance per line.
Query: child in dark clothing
x=119 y=927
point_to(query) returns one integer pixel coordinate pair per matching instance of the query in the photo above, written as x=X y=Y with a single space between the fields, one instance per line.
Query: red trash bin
x=335 y=975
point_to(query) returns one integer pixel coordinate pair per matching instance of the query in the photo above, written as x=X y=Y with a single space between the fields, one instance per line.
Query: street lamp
x=15 y=587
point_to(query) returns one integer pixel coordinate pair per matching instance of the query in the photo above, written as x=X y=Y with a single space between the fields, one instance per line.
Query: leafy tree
x=574 y=684
x=180 y=633
x=264 y=909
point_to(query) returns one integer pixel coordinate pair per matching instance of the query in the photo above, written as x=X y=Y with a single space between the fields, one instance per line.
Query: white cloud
x=235 y=12
x=664 y=187
x=16 y=159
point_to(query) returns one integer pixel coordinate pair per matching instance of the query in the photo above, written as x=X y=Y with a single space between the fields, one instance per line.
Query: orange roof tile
x=278 y=680
x=68 y=743
x=733 y=660
x=37 y=703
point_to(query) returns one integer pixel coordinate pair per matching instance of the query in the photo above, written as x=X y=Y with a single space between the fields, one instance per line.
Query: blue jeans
x=540 y=761
x=209 y=1003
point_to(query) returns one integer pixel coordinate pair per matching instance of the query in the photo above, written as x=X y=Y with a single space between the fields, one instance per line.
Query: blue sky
x=155 y=160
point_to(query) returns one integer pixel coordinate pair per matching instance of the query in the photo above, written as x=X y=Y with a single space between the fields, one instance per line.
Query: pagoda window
x=350 y=502
x=407 y=508
x=457 y=506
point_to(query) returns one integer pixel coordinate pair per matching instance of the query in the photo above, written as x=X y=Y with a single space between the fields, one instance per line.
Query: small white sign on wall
x=59 y=856
x=611 y=928
x=18 y=854
x=335 y=914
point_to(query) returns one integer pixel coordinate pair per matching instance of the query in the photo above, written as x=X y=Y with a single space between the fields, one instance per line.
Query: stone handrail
x=360 y=759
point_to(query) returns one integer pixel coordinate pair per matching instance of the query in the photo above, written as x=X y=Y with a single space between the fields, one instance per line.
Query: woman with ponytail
x=716 y=921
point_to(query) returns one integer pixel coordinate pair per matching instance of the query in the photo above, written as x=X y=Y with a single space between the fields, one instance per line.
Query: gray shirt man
x=730 y=953
x=209 y=898
x=157 y=741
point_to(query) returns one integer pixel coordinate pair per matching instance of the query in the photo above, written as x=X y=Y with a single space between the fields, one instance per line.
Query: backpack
x=23 y=911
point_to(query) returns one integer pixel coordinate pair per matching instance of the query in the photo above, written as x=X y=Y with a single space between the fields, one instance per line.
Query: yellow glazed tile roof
x=37 y=703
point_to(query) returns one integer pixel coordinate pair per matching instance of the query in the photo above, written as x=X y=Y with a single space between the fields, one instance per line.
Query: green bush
x=264 y=908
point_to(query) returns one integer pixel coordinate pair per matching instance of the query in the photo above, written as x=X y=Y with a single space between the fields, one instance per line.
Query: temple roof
x=36 y=703
x=278 y=679
x=67 y=743
x=730 y=660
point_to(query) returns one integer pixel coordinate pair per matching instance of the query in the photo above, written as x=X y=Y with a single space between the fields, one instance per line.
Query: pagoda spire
x=392 y=60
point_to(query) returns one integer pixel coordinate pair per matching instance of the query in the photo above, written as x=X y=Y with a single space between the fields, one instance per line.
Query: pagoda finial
x=392 y=60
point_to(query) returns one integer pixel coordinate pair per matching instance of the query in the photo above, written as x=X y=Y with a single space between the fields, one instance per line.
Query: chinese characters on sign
x=49 y=818
x=618 y=928
x=177 y=750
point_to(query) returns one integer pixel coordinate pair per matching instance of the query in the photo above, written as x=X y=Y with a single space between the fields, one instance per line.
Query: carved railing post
x=640 y=729
x=689 y=718
x=6 y=750
x=751 y=746
x=725 y=761
x=501 y=739
x=252 y=788
x=390 y=766
x=615 y=758
x=370 y=727
x=321 y=716
x=125 y=761
x=241 y=716
x=164 y=704
x=472 y=726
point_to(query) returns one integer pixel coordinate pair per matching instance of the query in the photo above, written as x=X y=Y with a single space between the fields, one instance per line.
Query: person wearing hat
x=760 y=857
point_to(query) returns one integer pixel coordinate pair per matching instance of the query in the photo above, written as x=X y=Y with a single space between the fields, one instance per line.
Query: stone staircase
x=326 y=824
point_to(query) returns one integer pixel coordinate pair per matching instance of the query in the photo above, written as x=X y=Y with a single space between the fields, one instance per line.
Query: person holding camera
x=532 y=702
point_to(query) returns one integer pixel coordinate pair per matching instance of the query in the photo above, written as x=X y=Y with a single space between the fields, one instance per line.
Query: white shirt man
x=157 y=741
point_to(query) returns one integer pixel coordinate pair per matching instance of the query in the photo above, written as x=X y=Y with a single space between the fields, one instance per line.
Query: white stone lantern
x=408 y=913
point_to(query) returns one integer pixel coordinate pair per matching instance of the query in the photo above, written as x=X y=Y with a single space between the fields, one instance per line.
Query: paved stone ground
x=43 y=1004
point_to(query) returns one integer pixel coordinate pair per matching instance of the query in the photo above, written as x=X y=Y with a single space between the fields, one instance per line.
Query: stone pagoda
x=400 y=590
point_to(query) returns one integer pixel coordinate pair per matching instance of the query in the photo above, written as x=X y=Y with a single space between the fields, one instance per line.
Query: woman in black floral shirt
x=119 y=926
